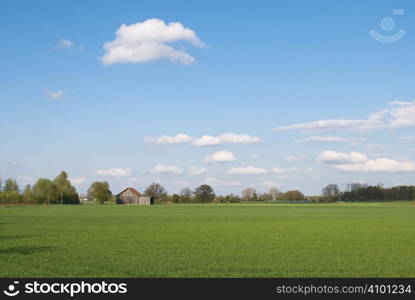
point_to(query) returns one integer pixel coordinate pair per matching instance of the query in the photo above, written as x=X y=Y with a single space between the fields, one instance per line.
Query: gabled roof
x=133 y=190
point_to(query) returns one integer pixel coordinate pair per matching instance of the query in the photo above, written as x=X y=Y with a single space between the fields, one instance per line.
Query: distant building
x=132 y=196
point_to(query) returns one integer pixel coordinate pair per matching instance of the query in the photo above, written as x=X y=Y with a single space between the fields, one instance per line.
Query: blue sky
x=242 y=74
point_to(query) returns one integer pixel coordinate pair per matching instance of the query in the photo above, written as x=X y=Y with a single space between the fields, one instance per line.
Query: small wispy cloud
x=398 y=114
x=205 y=140
x=68 y=44
x=328 y=139
x=193 y=170
x=250 y=170
x=78 y=180
x=55 y=95
x=163 y=169
x=221 y=182
x=220 y=156
x=114 y=172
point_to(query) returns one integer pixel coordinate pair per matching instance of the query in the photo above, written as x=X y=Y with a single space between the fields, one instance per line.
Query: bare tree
x=156 y=191
x=248 y=194
x=331 y=192
x=274 y=193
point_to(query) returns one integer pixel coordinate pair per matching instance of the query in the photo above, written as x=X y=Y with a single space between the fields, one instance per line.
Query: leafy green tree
x=204 y=193
x=45 y=191
x=175 y=198
x=100 y=191
x=66 y=191
x=156 y=191
x=11 y=186
x=27 y=194
x=294 y=195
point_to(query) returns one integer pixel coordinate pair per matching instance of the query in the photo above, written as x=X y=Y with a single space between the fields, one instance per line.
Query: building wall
x=129 y=197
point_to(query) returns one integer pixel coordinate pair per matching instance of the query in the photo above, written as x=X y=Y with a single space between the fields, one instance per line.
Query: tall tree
x=45 y=191
x=156 y=191
x=27 y=193
x=248 y=194
x=204 y=193
x=100 y=191
x=11 y=186
x=331 y=192
x=67 y=192
x=274 y=193
x=186 y=195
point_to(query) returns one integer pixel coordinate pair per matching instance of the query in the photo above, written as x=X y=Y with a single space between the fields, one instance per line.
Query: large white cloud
x=162 y=169
x=114 y=172
x=334 y=157
x=379 y=165
x=206 y=140
x=220 y=156
x=148 y=41
x=398 y=114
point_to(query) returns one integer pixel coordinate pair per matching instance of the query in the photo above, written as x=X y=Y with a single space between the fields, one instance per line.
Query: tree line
x=60 y=191
x=364 y=192
x=44 y=191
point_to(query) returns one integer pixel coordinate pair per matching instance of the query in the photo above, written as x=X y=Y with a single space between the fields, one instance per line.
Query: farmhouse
x=132 y=196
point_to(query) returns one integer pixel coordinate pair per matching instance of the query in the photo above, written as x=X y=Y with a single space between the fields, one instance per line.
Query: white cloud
x=65 y=43
x=221 y=183
x=402 y=115
x=169 y=140
x=226 y=138
x=78 y=180
x=162 y=169
x=148 y=41
x=206 y=140
x=250 y=170
x=220 y=156
x=398 y=114
x=197 y=170
x=330 y=139
x=55 y=95
x=280 y=170
x=379 y=165
x=296 y=157
x=68 y=44
x=333 y=157
x=269 y=184
x=114 y=172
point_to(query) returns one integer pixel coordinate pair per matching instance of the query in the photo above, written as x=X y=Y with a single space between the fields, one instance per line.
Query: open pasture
x=196 y=240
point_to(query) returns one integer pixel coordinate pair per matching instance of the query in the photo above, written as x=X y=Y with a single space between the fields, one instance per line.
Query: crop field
x=208 y=240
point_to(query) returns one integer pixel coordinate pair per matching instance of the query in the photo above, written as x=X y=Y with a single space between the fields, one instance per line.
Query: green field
x=235 y=240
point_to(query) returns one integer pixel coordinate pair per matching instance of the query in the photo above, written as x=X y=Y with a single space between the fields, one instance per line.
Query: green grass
x=248 y=240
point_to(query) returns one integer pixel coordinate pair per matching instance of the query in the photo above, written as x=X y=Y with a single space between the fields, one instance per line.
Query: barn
x=132 y=196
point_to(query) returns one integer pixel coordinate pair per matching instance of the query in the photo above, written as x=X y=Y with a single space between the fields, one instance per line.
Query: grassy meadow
x=235 y=240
